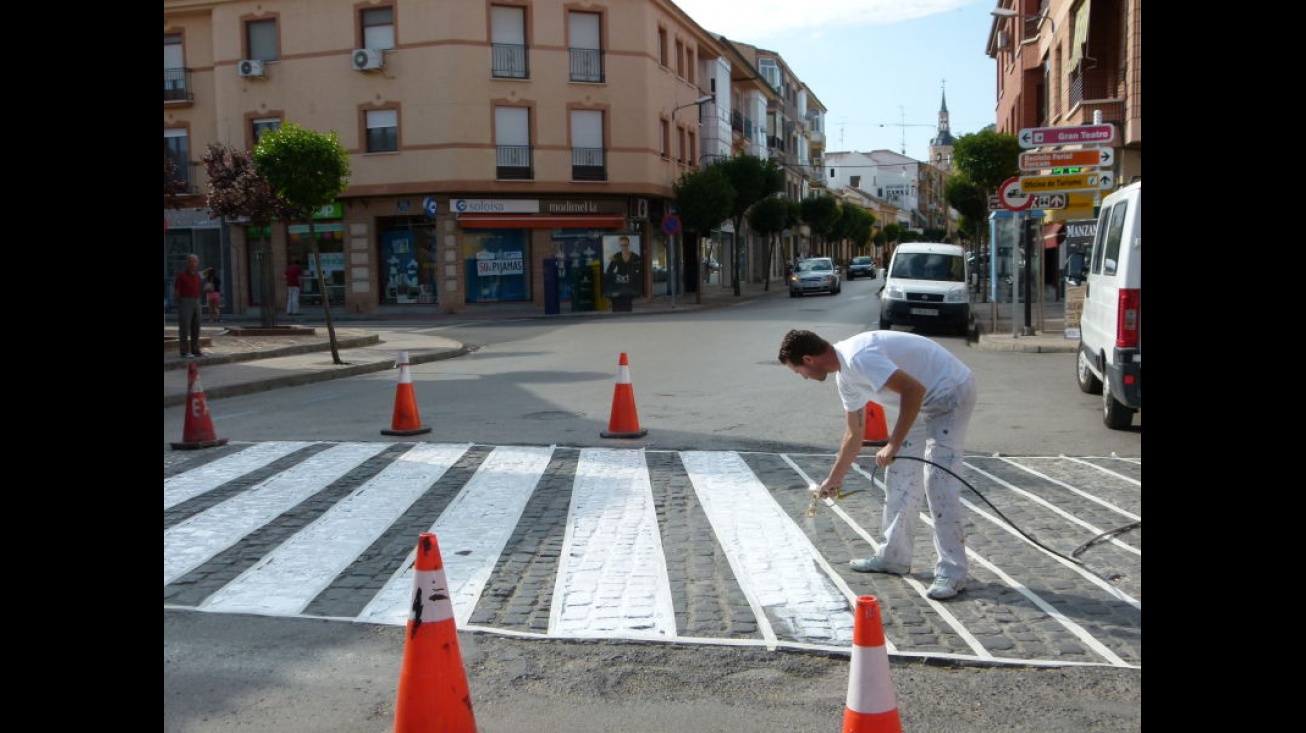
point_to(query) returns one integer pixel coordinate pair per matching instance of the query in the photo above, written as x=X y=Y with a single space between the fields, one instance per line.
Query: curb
x=352 y=342
x=295 y=380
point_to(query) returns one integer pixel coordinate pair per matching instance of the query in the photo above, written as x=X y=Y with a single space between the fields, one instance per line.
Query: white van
x=926 y=285
x=1110 y=360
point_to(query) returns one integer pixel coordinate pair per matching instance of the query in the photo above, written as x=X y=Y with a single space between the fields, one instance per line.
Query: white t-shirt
x=867 y=360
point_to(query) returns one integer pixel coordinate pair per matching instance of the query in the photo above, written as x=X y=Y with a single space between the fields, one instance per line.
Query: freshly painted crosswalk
x=711 y=547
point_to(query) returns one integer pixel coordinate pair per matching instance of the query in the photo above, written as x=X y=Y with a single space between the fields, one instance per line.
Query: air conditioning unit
x=250 y=68
x=367 y=59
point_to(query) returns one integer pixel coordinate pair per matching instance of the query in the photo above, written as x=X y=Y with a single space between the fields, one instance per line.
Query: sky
x=880 y=67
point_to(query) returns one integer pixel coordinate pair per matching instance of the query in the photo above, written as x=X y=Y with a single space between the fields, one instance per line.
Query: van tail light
x=1128 y=316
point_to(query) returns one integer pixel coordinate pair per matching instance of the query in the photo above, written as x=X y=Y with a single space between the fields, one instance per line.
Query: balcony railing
x=587 y=64
x=176 y=86
x=736 y=121
x=587 y=164
x=191 y=175
x=509 y=61
x=514 y=162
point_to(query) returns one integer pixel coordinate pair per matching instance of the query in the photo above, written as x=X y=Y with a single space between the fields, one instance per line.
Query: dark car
x=861 y=267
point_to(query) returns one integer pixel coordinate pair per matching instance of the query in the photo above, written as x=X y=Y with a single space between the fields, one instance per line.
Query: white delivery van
x=926 y=285
x=1110 y=360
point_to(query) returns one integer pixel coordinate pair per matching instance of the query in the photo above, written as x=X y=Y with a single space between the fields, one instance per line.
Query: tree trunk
x=321 y=284
x=268 y=288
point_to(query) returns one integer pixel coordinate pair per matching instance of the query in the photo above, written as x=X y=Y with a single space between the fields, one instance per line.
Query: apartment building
x=497 y=148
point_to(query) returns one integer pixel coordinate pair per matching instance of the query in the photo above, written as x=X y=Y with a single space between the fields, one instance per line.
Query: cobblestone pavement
x=703 y=547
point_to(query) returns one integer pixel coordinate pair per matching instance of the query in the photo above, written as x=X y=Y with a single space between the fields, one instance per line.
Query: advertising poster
x=623 y=269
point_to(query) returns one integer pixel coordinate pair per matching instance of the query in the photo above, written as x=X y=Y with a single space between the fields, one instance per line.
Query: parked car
x=926 y=284
x=815 y=275
x=1110 y=360
x=861 y=267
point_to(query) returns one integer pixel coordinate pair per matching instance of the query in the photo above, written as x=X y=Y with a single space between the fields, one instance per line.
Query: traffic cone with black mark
x=405 y=420
x=433 y=693
x=877 y=429
x=624 y=422
x=872 y=706
x=198 y=430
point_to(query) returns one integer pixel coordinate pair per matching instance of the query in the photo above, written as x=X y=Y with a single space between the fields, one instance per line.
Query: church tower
x=941 y=145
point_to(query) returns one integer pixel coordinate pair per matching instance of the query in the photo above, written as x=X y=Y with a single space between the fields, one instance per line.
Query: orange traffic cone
x=871 y=706
x=405 y=421
x=198 y=430
x=433 y=692
x=877 y=430
x=624 y=422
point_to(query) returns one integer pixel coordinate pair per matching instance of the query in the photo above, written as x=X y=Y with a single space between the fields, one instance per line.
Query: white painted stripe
x=1072 y=489
x=1058 y=510
x=1103 y=469
x=775 y=563
x=189 y=544
x=211 y=475
x=472 y=532
x=286 y=579
x=612 y=573
x=870 y=690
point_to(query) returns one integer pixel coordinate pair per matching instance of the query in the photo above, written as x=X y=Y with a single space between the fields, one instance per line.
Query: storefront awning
x=541 y=221
x=1051 y=233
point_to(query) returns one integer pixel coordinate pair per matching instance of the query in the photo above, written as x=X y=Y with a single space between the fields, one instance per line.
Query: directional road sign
x=1012 y=197
x=1050 y=201
x=1038 y=137
x=1074 y=182
x=1038 y=160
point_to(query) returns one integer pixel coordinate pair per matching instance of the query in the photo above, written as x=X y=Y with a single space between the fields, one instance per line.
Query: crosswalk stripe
x=228 y=468
x=472 y=532
x=191 y=542
x=287 y=578
x=773 y=559
x=612 y=577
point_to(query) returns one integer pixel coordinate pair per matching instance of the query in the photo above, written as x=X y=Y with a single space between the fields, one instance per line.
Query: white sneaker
x=945 y=588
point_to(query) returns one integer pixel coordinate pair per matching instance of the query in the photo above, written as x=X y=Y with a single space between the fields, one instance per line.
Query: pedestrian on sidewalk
x=186 y=294
x=293 y=277
x=935 y=393
x=213 y=293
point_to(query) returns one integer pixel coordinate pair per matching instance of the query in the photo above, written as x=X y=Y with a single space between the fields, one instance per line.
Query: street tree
x=986 y=158
x=854 y=224
x=236 y=190
x=308 y=170
x=704 y=198
x=769 y=217
x=821 y=214
x=753 y=179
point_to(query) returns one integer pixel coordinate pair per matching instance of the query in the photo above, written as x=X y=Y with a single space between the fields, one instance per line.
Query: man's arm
x=849 y=447
x=911 y=393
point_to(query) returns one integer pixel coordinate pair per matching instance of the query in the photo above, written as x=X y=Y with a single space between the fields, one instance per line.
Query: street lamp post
x=674 y=275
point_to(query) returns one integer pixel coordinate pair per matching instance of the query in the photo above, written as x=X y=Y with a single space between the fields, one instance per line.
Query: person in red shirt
x=293 y=275
x=186 y=294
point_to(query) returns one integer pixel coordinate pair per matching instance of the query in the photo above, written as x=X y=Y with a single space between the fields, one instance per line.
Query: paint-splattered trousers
x=938 y=436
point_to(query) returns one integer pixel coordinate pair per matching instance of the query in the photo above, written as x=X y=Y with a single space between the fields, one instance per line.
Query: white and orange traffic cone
x=871 y=706
x=406 y=420
x=624 y=422
x=877 y=428
x=198 y=430
x=433 y=693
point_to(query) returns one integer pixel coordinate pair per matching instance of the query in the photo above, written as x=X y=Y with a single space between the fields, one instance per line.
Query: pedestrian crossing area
x=685 y=547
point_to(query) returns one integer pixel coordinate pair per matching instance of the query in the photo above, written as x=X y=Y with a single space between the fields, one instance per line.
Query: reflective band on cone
x=433 y=693
x=871 y=706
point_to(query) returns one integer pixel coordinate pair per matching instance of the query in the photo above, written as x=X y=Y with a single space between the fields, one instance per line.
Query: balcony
x=736 y=121
x=509 y=61
x=514 y=163
x=192 y=176
x=587 y=65
x=587 y=164
x=176 y=86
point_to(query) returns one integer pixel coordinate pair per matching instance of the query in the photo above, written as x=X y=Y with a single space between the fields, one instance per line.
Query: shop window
x=408 y=264
x=496 y=266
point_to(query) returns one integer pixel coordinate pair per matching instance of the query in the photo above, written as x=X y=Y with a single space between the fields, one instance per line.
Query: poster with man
x=623 y=272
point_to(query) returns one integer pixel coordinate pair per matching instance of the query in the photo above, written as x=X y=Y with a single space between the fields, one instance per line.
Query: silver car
x=815 y=275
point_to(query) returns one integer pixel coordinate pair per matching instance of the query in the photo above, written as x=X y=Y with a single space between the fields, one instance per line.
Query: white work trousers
x=938 y=436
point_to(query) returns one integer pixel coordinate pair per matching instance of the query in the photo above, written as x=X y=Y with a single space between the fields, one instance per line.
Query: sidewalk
x=235 y=364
